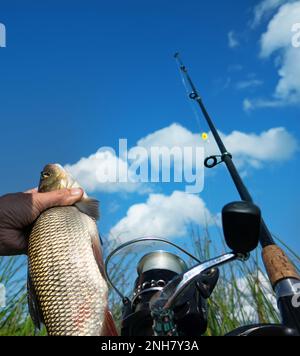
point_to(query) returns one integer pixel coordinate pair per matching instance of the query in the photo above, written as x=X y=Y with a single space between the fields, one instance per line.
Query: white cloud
x=265 y=9
x=170 y=136
x=278 y=40
x=2 y=35
x=233 y=41
x=162 y=216
x=98 y=171
x=252 y=104
x=113 y=206
x=279 y=33
x=273 y=145
x=247 y=105
x=251 y=83
x=288 y=87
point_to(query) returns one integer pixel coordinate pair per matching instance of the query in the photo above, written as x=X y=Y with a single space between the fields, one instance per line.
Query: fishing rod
x=169 y=298
x=282 y=274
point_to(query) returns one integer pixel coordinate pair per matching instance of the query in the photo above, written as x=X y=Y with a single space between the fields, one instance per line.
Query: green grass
x=14 y=318
x=243 y=294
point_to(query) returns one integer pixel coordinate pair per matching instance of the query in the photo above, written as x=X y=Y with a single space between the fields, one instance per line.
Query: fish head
x=55 y=177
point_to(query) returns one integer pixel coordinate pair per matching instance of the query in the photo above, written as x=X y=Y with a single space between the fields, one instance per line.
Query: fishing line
x=191 y=103
x=281 y=272
x=205 y=142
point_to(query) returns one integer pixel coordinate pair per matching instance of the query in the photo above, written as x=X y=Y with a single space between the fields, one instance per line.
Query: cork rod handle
x=278 y=265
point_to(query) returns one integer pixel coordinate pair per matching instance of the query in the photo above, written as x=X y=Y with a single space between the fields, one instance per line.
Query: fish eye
x=45 y=175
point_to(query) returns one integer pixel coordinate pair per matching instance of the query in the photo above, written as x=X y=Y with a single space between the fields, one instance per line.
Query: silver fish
x=66 y=283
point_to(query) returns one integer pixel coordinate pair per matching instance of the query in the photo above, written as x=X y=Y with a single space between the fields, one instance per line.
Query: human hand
x=19 y=210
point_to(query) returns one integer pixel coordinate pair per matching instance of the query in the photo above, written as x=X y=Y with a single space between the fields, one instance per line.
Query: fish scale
x=70 y=290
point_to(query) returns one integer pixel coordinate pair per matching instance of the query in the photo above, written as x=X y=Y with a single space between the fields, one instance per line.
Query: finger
x=63 y=197
x=31 y=191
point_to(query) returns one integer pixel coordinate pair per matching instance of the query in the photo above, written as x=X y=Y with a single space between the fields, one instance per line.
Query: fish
x=67 y=287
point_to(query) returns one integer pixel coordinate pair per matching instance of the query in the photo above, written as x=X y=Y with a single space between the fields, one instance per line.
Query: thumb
x=63 y=197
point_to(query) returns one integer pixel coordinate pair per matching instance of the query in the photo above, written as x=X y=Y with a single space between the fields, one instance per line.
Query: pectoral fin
x=89 y=207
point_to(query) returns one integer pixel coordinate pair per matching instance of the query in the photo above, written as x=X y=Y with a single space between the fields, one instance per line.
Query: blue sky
x=74 y=78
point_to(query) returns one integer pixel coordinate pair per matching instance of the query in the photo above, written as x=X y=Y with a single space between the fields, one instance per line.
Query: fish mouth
x=53 y=177
x=52 y=170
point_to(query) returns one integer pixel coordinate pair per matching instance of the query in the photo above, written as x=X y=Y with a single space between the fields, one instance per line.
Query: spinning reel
x=169 y=298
